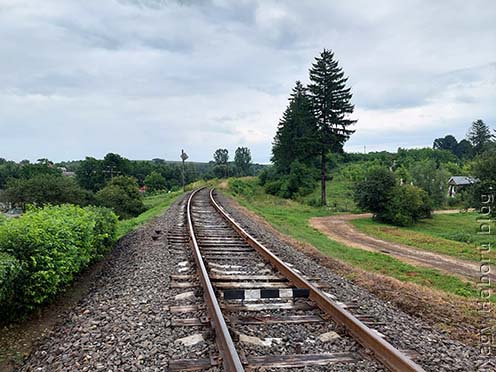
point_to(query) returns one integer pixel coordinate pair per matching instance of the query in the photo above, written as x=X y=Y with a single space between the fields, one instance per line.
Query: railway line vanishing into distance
x=249 y=293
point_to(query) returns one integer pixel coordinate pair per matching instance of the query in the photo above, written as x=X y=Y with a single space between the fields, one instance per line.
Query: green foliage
x=242 y=160
x=156 y=204
x=241 y=187
x=299 y=182
x=296 y=137
x=221 y=158
x=482 y=194
x=46 y=189
x=9 y=272
x=447 y=143
x=90 y=175
x=9 y=170
x=154 y=181
x=480 y=136
x=331 y=105
x=380 y=194
x=122 y=195
x=406 y=206
x=374 y=193
x=52 y=245
x=433 y=179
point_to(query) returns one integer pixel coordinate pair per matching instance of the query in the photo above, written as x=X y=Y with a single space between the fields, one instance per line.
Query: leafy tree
x=374 y=193
x=45 y=189
x=242 y=160
x=479 y=136
x=447 y=143
x=122 y=195
x=221 y=157
x=155 y=181
x=115 y=165
x=331 y=103
x=432 y=179
x=90 y=174
x=296 y=138
x=406 y=206
x=464 y=150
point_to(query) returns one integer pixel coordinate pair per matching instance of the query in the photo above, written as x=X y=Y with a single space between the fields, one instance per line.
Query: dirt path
x=339 y=229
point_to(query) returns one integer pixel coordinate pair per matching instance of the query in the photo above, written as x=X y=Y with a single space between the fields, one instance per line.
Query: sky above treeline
x=146 y=78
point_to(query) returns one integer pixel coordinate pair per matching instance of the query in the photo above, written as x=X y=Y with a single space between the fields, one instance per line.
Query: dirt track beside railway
x=339 y=229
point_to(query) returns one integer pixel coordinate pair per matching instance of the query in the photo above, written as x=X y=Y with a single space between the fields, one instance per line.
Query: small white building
x=456 y=183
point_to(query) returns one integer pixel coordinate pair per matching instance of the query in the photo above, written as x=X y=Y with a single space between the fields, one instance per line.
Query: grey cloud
x=155 y=75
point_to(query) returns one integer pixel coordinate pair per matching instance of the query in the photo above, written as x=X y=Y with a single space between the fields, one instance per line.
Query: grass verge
x=451 y=234
x=291 y=218
x=155 y=204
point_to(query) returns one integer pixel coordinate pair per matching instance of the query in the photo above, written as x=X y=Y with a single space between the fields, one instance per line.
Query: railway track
x=265 y=314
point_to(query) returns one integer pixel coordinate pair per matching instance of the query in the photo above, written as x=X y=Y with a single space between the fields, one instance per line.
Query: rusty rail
x=228 y=353
x=391 y=357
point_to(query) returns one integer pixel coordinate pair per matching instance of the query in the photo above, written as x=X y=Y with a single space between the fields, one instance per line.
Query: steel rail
x=230 y=358
x=389 y=356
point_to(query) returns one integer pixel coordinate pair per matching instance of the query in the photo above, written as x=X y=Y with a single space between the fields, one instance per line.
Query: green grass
x=451 y=234
x=291 y=218
x=155 y=204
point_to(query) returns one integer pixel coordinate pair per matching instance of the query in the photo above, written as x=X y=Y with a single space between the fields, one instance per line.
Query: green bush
x=299 y=182
x=374 y=193
x=154 y=181
x=122 y=195
x=9 y=272
x=407 y=205
x=53 y=244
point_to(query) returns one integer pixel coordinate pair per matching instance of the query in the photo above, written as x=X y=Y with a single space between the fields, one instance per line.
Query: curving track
x=251 y=296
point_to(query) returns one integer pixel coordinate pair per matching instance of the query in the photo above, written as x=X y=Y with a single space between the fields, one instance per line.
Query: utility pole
x=184 y=156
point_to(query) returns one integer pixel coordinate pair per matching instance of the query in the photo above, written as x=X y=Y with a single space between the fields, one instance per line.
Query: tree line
x=113 y=181
x=478 y=140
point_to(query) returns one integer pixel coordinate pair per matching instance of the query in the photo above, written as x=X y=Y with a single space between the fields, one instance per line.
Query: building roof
x=462 y=180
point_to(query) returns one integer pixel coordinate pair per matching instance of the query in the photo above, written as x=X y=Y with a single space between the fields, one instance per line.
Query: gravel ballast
x=124 y=323
x=436 y=352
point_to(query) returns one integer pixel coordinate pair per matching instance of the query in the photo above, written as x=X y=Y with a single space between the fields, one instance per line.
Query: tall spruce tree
x=331 y=104
x=479 y=136
x=296 y=136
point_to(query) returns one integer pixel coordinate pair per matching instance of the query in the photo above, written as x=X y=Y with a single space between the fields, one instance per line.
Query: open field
x=451 y=234
x=291 y=218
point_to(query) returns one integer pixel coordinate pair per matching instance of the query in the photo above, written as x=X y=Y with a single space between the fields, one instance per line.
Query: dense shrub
x=154 y=181
x=375 y=191
x=9 y=271
x=122 y=195
x=52 y=245
x=380 y=194
x=299 y=182
x=406 y=206
x=431 y=178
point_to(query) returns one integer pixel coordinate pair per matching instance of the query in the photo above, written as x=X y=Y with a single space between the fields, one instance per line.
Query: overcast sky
x=145 y=78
